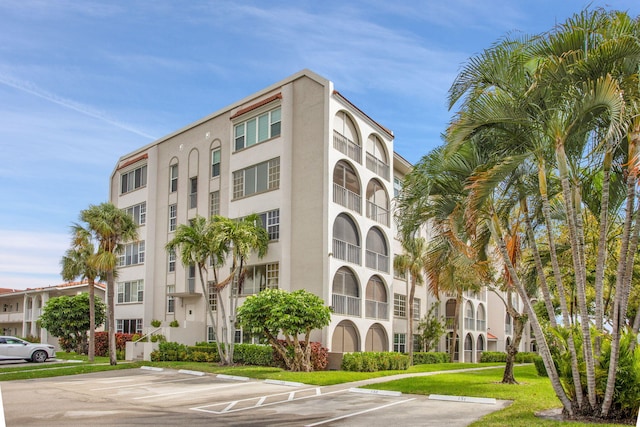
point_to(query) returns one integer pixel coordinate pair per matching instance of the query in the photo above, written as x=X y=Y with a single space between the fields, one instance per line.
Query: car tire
x=39 y=356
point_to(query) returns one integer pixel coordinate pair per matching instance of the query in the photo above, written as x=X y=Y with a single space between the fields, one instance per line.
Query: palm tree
x=79 y=261
x=412 y=262
x=111 y=228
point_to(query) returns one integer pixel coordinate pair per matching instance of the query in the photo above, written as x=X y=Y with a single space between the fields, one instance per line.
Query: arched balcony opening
x=508 y=325
x=469 y=317
x=377 y=251
x=345 y=299
x=481 y=318
x=345 y=137
x=377 y=202
x=376 y=339
x=457 y=347
x=376 y=299
x=450 y=313
x=479 y=348
x=468 y=349
x=346 y=187
x=345 y=338
x=377 y=159
x=346 y=240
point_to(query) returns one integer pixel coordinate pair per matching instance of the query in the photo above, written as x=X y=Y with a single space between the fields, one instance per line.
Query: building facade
x=322 y=175
x=21 y=309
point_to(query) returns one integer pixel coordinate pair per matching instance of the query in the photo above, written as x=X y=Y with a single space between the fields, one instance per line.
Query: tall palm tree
x=79 y=261
x=111 y=228
x=412 y=262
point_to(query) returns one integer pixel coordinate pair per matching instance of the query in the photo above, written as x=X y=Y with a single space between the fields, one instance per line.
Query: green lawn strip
x=62 y=370
x=531 y=395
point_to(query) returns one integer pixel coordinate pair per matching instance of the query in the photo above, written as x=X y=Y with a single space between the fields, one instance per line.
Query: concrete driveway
x=135 y=397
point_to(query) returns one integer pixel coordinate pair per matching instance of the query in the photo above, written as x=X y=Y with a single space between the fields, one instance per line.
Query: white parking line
x=2 y=421
x=147 y=383
x=360 y=412
x=215 y=387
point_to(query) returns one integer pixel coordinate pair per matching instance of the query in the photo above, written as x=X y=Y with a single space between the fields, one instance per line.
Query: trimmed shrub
x=526 y=357
x=170 y=352
x=374 y=361
x=493 y=356
x=253 y=354
x=430 y=357
x=102 y=343
x=540 y=368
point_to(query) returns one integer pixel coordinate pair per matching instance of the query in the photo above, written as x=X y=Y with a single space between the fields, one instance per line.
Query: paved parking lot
x=135 y=397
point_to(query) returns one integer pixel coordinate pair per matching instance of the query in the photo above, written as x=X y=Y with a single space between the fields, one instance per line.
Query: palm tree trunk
x=111 y=321
x=412 y=293
x=205 y=293
x=557 y=275
x=512 y=350
x=544 y=287
x=92 y=321
x=541 y=341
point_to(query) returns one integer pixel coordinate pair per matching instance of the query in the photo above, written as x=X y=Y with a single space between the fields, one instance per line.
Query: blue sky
x=83 y=82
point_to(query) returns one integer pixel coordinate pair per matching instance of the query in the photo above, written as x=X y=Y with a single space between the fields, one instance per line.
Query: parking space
x=169 y=397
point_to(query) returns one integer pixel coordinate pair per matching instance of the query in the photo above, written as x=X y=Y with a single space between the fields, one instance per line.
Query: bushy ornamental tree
x=291 y=315
x=67 y=317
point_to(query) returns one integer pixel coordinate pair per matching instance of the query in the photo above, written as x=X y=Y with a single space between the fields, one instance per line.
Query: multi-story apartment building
x=322 y=175
x=21 y=309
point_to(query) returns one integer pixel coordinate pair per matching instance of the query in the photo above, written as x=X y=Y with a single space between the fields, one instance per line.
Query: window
x=138 y=213
x=173 y=217
x=133 y=179
x=129 y=326
x=215 y=163
x=171 y=302
x=399 y=305
x=257 y=179
x=130 y=291
x=191 y=278
x=173 y=178
x=416 y=309
x=193 y=193
x=214 y=203
x=397 y=186
x=211 y=334
x=399 y=343
x=132 y=254
x=260 y=277
x=271 y=223
x=172 y=261
x=213 y=297
x=257 y=129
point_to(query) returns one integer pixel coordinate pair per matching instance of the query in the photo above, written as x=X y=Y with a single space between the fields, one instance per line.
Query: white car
x=12 y=348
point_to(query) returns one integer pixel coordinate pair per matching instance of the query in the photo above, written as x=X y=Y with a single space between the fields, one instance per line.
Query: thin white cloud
x=32 y=89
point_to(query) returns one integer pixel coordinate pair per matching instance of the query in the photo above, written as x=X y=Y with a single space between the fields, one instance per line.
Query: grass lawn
x=533 y=394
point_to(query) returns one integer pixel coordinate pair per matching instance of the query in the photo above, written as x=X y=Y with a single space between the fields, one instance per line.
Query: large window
x=399 y=305
x=257 y=179
x=171 y=301
x=257 y=129
x=416 y=309
x=214 y=203
x=260 y=277
x=399 y=343
x=129 y=326
x=173 y=178
x=133 y=179
x=193 y=193
x=172 y=260
x=271 y=223
x=215 y=163
x=173 y=217
x=132 y=254
x=132 y=291
x=138 y=213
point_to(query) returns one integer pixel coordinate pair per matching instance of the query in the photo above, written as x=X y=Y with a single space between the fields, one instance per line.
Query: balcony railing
x=469 y=323
x=377 y=309
x=343 y=304
x=377 y=261
x=377 y=213
x=347 y=198
x=346 y=146
x=377 y=166
x=346 y=251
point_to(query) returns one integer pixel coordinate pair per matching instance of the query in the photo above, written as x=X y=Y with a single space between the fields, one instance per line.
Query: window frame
x=193 y=192
x=136 y=252
x=173 y=178
x=173 y=217
x=122 y=292
x=271 y=178
x=215 y=162
x=139 y=218
x=130 y=182
x=399 y=305
x=242 y=130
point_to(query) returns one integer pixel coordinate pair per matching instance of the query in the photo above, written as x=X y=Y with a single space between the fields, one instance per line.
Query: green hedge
x=540 y=368
x=499 y=356
x=374 y=361
x=430 y=357
x=244 y=354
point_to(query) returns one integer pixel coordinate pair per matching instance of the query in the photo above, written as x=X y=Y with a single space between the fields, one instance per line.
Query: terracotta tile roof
x=134 y=160
x=256 y=105
x=68 y=285
x=490 y=336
